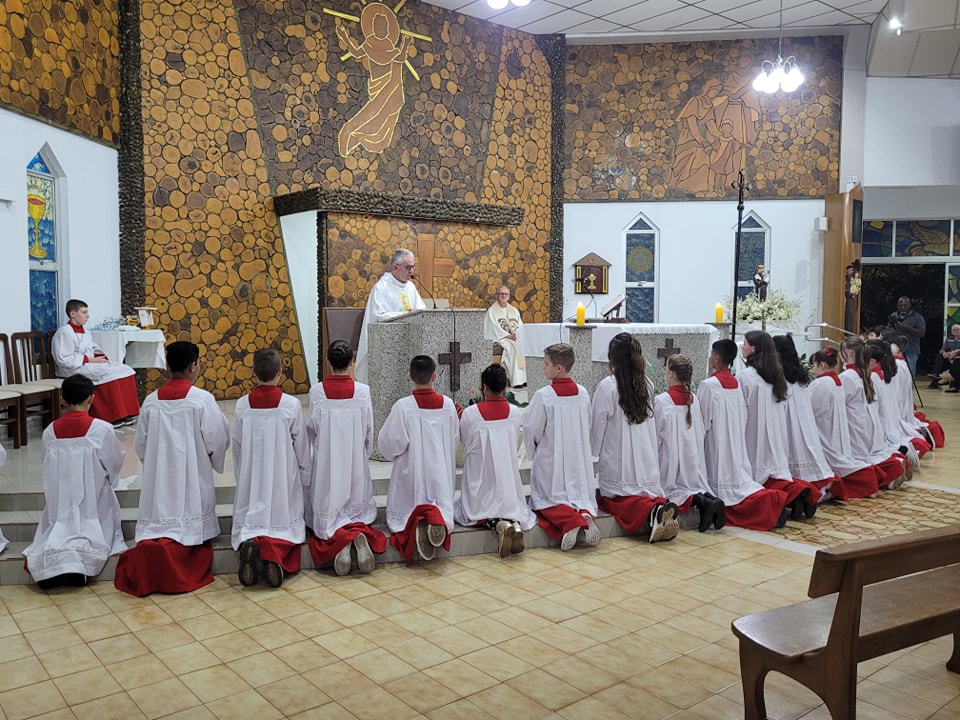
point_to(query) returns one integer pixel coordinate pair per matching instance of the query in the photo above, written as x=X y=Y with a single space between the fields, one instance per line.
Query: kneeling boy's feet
x=505 y=532
x=436 y=534
x=365 y=559
x=425 y=548
x=591 y=536
x=796 y=508
x=784 y=516
x=343 y=562
x=249 y=571
x=274 y=573
x=569 y=539
x=518 y=545
x=663 y=522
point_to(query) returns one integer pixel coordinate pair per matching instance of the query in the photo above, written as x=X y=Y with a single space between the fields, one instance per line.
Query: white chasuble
x=389 y=298
x=498 y=324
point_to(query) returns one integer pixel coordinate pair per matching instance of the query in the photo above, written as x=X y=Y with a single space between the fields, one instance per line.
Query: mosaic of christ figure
x=383 y=54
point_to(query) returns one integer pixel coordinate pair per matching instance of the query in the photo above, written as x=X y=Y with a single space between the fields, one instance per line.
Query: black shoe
x=935 y=385
x=952 y=390
x=706 y=510
x=784 y=516
x=273 y=574
x=249 y=571
x=809 y=509
x=719 y=511
x=796 y=509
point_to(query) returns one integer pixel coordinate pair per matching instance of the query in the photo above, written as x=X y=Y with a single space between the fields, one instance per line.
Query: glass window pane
x=953 y=284
x=640 y=224
x=877 y=238
x=917 y=238
x=640 y=305
x=956 y=237
x=43 y=301
x=38 y=165
x=41 y=225
x=641 y=257
x=753 y=252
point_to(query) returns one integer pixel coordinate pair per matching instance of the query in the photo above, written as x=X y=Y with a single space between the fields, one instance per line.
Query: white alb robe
x=828 y=402
x=422 y=444
x=628 y=463
x=724 y=414
x=863 y=419
x=69 y=348
x=3 y=458
x=340 y=491
x=80 y=525
x=180 y=443
x=683 y=470
x=556 y=432
x=490 y=487
x=904 y=383
x=271 y=463
x=895 y=433
x=804 y=451
x=389 y=298
x=498 y=323
x=766 y=430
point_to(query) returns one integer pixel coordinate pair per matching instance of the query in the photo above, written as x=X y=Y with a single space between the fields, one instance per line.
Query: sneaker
x=365 y=559
x=913 y=456
x=663 y=522
x=129 y=420
x=274 y=573
x=249 y=571
x=118 y=423
x=436 y=534
x=505 y=531
x=935 y=385
x=952 y=390
x=719 y=511
x=591 y=536
x=518 y=545
x=796 y=507
x=343 y=562
x=705 y=509
x=425 y=548
x=907 y=471
x=784 y=516
x=569 y=539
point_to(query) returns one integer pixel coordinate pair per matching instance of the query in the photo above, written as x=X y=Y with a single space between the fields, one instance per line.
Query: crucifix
x=428 y=265
x=666 y=352
x=454 y=359
x=741 y=187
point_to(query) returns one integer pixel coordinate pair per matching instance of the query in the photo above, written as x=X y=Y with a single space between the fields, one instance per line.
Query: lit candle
x=719 y=310
x=581 y=314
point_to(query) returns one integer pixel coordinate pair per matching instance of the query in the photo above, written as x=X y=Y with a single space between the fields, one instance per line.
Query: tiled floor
x=624 y=630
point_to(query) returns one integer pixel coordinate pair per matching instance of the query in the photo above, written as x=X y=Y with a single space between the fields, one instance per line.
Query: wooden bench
x=872 y=598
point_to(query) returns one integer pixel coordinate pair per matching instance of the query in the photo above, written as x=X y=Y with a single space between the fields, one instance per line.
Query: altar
x=134 y=347
x=590 y=343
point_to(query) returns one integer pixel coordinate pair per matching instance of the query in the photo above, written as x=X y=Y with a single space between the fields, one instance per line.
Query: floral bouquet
x=779 y=309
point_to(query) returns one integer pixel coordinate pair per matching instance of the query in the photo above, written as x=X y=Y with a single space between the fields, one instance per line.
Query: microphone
x=424 y=288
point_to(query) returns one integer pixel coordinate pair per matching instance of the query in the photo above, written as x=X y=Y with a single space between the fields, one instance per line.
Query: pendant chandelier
x=780 y=75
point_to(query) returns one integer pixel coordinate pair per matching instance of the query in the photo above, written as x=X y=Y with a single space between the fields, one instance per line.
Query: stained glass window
x=42 y=248
x=753 y=252
x=918 y=238
x=877 y=238
x=641 y=271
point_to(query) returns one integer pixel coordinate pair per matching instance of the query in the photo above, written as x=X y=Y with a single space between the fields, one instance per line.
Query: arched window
x=43 y=245
x=641 y=263
x=753 y=251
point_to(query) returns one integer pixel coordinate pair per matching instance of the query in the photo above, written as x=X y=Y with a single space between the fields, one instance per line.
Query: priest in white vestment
x=182 y=439
x=501 y=324
x=393 y=295
x=80 y=525
x=491 y=492
x=339 y=503
x=271 y=464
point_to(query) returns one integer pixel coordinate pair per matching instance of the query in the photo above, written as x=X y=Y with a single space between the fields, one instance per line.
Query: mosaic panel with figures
x=679 y=120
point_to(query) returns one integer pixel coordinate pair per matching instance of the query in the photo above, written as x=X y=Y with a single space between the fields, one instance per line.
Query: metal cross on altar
x=667 y=351
x=454 y=358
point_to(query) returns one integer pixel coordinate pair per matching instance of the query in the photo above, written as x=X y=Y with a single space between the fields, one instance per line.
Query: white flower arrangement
x=778 y=309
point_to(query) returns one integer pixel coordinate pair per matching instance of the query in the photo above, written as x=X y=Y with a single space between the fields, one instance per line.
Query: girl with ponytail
x=883 y=371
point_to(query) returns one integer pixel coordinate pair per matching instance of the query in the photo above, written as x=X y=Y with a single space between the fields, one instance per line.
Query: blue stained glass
x=923 y=237
x=753 y=251
x=877 y=238
x=41 y=224
x=640 y=305
x=38 y=165
x=751 y=223
x=641 y=257
x=43 y=301
x=953 y=284
x=640 y=224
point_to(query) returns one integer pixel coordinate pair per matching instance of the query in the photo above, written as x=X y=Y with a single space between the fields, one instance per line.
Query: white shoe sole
x=342 y=562
x=366 y=562
x=569 y=539
x=591 y=536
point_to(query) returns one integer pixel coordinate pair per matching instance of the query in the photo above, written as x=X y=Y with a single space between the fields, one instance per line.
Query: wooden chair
x=40 y=399
x=11 y=405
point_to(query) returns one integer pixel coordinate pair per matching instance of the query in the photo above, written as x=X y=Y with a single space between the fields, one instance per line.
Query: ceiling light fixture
x=780 y=75
x=896 y=22
x=501 y=4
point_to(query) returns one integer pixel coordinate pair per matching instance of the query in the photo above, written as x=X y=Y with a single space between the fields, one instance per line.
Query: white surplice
x=422 y=444
x=180 y=443
x=389 y=298
x=3 y=458
x=766 y=430
x=627 y=451
x=271 y=463
x=828 y=402
x=69 y=348
x=80 y=525
x=491 y=487
x=340 y=491
x=498 y=323
x=804 y=451
x=863 y=419
x=724 y=414
x=904 y=383
x=895 y=433
x=682 y=466
x=556 y=432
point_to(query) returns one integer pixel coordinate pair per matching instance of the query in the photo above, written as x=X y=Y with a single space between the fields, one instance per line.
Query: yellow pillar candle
x=581 y=314
x=719 y=310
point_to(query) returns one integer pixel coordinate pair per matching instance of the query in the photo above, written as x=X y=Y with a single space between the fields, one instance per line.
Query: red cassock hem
x=405 y=541
x=559 y=519
x=630 y=511
x=889 y=470
x=282 y=552
x=116 y=400
x=934 y=428
x=920 y=445
x=324 y=552
x=759 y=511
x=793 y=489
x=862 y=483
x=164 y=565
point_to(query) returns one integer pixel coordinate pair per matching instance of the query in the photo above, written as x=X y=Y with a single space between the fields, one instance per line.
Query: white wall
x=695 y=255
x=912 y=132
x=90 y=219
x=300 y=242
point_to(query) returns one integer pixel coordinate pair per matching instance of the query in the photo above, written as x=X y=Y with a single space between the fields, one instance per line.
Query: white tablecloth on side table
x=136 y=348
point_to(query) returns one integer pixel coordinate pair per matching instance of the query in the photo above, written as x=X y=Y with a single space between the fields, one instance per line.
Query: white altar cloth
x=536 y=336
x=136 y=348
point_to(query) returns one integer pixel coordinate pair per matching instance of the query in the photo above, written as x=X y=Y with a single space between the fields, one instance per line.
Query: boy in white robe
x=182 y=438
x=339 y=502
x=420 y=437
x=501 y=324
x=491 y=493
x=724 y=413
x=556 y=431
x=74 y=351
x=271 y=464
x=80 y=525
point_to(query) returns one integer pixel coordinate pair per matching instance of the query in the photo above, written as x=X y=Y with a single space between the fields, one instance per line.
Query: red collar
x=727 y=380
x=833 y=376
x=878 y=371
x=494 y=408
x=76 y=328
x=428 y=399
x=72 y=424
x=175 y=389
x=678 y=393
x=338 y=387
x=565 y=387
x=853 y=367
x=265 y=397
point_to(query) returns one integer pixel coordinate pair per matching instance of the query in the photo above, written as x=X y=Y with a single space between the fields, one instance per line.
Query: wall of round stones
x=623 y=104
x=59 y=61
x=215 y=264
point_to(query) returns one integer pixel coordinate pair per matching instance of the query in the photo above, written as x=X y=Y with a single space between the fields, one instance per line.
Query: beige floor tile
x=8 y=626
x=139 y=671
x=461 y=709
x=201 y=712
x=233 y=645
x=631 y=699
x=262 y=669
x=312 y=624
x=114 y=707
x=532 y=650
x=421 y=692
x=330 y=711
x=69 y=660
x=85 y=608
x=187 y=658
x=14 y=648
x=461 y=677
x=675 y=689
x=455 y=641
x=186 y=607
x=144 y=618
x=580 y=674
x=213 y=683
x=305 y=655
x=283 y=606
x=338 y=680
x=245 y=704
x=380 y=665
x=61 y=714
x=699 y=673
x=418 y=622
x=163 y=698
x=53 y=638
x=717 y=707
x=207 y=626
x=563 y=638
x=912 y=684
x=489 y=630
x=550 y=610
x=420 y=653
x=22 y=672
x=617 y=664
x=376 y=704
x=894 y=700
x=39 y=618
x=593 y=709
x=593 y=627
x=293 y=695
x=451 y=612
x=119 y=648
x=227 y=598
x=88 y=685
x=505 y=703
x=498 y=663
x=546 y=689
x=384 y=605
x=31 y=700
x=345 y=643
x=98 y=628
x=383 y=632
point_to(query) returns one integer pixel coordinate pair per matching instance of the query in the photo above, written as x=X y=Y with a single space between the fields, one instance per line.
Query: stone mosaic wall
x=59 y=60
x=215 y=264
x=679 y=120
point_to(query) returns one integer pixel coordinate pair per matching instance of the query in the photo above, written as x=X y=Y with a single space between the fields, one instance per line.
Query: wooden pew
x=871 y=598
